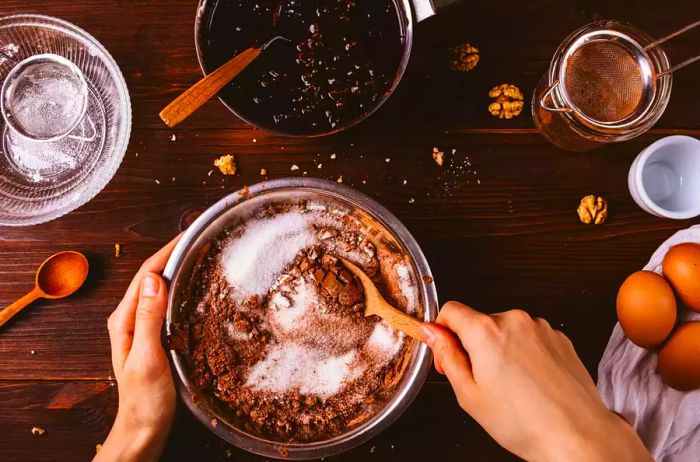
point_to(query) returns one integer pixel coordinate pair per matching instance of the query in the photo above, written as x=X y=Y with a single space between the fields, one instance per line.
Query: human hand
x=524 y=383
x=146 y=389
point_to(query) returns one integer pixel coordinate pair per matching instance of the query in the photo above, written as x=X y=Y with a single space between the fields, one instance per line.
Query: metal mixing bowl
x=237 y=207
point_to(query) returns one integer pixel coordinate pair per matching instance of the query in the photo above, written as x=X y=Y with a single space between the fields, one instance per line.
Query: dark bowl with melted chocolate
x=198 y=242
x=343 y=59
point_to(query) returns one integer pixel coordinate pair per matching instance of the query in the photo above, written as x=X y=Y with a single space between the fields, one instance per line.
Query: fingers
x=121 y=333
x=150 y=312
x=470 y=325
x=573 y=361
x=450 y=358
x=447 y=350
x=155 y=264
x=122 y=321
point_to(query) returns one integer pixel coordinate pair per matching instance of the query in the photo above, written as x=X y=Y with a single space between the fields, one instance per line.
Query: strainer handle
x=87 y=139
x=658 y=42
x=546 y=94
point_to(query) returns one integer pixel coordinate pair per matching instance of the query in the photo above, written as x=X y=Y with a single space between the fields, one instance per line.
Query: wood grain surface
x=498 y=223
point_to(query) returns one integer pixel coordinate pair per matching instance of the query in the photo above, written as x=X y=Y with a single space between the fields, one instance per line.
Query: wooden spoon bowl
x=59 y=276
x=376 y=305
x=62 y=274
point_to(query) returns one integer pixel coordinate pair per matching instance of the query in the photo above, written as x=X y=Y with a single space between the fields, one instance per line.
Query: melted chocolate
x=342 y=59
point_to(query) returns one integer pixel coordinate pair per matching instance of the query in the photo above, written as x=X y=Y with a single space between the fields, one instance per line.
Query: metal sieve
x=609 y=81
x=606 y=81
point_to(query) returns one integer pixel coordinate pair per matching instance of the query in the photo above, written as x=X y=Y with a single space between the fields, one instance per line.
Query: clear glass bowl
x=54 y=73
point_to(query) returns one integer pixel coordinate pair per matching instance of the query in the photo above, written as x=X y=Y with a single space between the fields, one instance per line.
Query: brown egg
x=682 y=268
x=646 y=308
x=679 y=359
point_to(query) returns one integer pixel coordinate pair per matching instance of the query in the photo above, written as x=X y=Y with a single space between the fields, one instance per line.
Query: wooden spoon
x=186 y=104
x=58 y=277
x=376 y=305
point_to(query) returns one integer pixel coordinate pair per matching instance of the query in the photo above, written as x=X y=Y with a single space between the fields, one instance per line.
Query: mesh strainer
x=605 y=80
x=610 y=80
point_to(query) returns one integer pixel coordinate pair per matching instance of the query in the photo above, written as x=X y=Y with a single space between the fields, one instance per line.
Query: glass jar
x=570 y=106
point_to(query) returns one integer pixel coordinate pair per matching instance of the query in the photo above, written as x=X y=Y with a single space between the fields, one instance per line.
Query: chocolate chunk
x=242 y=325
x=350 y=295
x=179 y=338
x=345 y=276
x=332 y=285
x=319 y=275
x=328 y=261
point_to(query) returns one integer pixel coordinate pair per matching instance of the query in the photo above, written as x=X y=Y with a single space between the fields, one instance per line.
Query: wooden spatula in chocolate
x=191 y=100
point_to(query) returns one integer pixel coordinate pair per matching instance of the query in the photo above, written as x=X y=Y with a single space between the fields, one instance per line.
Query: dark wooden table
x=505 y=236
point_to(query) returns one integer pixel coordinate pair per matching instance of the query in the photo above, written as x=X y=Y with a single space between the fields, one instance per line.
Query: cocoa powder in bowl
x=273 y=326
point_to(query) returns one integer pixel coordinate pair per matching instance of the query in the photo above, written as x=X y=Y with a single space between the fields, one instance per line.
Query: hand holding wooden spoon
x=58 y=277
x=376 y=305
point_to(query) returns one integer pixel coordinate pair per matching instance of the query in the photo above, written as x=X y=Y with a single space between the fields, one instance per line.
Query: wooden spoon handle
x=191 y=100
x=19 y=305
x=401 y=321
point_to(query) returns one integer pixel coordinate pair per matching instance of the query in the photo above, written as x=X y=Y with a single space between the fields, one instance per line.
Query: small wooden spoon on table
x=186 y=104
x=376 y=305
x=58 y=277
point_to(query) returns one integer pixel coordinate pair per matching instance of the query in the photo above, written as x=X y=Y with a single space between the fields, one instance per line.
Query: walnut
x=508 y=101
x=463 y=57
x=263 y=172
x=593 y=209
x=37 y=431
x=438 y=156
x=226 y=164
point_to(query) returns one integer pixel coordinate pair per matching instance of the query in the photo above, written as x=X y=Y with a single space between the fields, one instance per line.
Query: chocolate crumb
x=283 y=452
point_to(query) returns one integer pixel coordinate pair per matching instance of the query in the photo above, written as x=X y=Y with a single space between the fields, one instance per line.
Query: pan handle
x=427 y=8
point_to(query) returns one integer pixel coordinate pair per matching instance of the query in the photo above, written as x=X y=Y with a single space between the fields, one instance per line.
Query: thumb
x=150 y=311
x=450 y=358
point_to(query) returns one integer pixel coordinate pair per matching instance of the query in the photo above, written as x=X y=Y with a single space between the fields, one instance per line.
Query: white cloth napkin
x=667 y=420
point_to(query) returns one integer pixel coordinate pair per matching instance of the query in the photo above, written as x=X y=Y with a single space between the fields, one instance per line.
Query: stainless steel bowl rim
x=414 y=378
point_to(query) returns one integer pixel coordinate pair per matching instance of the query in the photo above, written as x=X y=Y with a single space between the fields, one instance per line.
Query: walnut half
x=464 y=57
x=508 y=101
x=593 y=209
